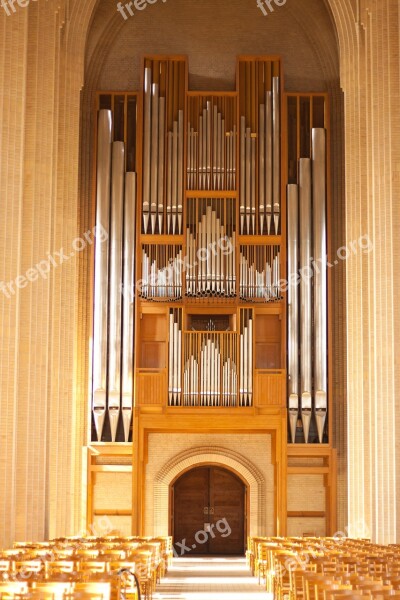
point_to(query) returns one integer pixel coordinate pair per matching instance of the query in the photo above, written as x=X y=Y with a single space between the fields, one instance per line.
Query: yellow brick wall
x=249 y=455
x=112 y=491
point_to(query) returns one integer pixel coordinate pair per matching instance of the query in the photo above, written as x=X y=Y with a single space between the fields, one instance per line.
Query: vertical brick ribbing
x=370 y=79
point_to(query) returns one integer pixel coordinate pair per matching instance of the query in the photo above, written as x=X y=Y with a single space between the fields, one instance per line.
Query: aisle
x=209 y=578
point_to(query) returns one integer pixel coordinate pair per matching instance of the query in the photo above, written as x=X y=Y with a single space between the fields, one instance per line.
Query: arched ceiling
x=212 y=33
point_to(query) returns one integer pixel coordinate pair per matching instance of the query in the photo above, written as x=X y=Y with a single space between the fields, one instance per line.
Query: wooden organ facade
x=211 y=289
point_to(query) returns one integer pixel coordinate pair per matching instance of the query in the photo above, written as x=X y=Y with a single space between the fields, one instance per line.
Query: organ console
x=216 y=210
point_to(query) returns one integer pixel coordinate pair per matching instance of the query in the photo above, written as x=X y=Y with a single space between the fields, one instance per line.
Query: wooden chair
x=6 y=565
x=55 y=589
x=29 y=570
x=262 y=562
x=82 y=595
x=283 y=561
x=309 y=582
x=100 y=589
x=144 y=571
x=125 y=571
x=86 y=567
x=56 y=567
x=342 y=594
x=320 y=588
x=10 y=589
x=296 y=576
x=87 y=553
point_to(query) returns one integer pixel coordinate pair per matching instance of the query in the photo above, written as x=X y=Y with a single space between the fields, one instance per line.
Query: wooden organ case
x=211 y=291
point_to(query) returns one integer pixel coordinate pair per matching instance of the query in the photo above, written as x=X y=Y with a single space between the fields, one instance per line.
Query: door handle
x=211 y=511
x=205 y=510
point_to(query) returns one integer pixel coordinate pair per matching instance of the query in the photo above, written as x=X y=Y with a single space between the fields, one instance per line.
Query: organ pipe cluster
x=211 y=144
x=260 y=131
x=210 y=369
x=161 y=272
x=163 y=146
x=260 y=273
x=113 y=331
x=210 y=248
x=307 y=325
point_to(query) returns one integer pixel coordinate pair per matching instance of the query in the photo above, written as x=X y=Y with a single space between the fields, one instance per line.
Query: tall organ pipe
x=276 y=150
x=128 y=301
x=161 y=159
x=320 y=277
x=114 y=352
x=101 y=270
x=268 y=158
x=180 y=170
x=305 y=294
x=242 y=172
x=293 y=324
x=171 y=359
x=261 y=169
x=154 y=168
x=146 y=148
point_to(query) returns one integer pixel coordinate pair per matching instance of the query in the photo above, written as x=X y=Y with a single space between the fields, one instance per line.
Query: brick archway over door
x=217 y=456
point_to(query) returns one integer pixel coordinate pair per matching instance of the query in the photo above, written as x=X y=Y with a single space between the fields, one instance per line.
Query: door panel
x=227 y=498
x=190 y=497
x=213 y=496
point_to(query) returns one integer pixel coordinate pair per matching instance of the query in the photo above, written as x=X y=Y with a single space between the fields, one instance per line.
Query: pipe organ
x=210 y=243
x=215 y=205
x=113 y=317
x=161 y=272
x=163 y=146
x=211 y=142
x=307 y=265
x=260 y=146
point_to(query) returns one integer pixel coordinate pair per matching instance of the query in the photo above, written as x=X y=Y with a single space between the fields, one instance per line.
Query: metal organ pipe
x=261 y=157
x=214 y=271
x=320 y=277
x=269 y=161
x=242 y=172
x=114 y=351
x=276 y=151
x=305 y=294
x=161 y=160
x=128 y=303
x=101 y=270
x=146 y=148
x=175 y=168
x=293 y=308
x=180 y=171
x=154 y=155
x=210 y=375
x=174 y=357
x=246 y=358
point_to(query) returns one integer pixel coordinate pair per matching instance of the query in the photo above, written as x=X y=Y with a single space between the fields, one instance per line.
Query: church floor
x=209 y=578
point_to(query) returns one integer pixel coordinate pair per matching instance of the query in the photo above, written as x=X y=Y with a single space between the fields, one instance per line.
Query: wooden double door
x=209 y=505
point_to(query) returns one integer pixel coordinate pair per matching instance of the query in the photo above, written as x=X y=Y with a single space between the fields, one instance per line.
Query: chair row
x=87 y=561
x=322 y=568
